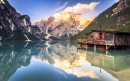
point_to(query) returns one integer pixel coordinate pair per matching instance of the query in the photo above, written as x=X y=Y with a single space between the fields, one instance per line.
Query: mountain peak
x=44 y=22
x=74 y=19
x=47 y=19
x=68 y=17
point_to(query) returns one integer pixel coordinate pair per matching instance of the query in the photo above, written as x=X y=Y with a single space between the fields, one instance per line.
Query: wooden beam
x=107 y=47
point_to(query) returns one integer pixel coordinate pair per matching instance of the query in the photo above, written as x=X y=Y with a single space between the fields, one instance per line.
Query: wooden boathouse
x=106 y=38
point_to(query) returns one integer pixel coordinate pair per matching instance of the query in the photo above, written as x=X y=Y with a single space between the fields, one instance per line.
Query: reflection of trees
x=13 y=56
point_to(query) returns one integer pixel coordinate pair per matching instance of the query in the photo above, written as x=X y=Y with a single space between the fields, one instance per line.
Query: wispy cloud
x=82 y=8
x=60 y=8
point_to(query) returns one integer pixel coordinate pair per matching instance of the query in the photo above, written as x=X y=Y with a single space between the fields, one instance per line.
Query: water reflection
x=56 y=61
x=115 y=62
x=13 y=56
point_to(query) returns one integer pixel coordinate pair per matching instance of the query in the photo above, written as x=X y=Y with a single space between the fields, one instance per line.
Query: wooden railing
x=91 y=41
x=82 y=40
x=104 y=42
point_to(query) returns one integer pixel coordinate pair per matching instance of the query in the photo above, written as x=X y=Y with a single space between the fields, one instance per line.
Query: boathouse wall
x=122 y=39
x=96 y=36
x=110 y=38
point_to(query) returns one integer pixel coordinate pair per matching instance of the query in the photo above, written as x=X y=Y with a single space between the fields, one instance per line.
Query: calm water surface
x=61 y=61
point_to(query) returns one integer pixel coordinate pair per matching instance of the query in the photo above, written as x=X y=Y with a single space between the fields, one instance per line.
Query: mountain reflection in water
x=61 y=61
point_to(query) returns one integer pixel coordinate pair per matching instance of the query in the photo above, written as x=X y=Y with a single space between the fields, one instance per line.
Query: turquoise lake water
x=61 y=61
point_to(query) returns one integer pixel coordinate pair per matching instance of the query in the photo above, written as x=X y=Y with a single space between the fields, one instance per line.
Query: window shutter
x=102 y=35
x=98 y=35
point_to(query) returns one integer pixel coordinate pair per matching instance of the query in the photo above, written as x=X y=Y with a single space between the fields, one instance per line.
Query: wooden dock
x=84 y=43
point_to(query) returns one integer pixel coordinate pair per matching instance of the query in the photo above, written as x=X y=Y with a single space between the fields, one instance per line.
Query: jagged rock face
x=122 y=19
x=44 y=23
x=122 y=4
x=65 y=25
x=11 y=21
x=68 y=24
x=73 y=19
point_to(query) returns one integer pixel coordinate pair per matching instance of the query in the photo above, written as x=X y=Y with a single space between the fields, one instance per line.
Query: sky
x=41 y=9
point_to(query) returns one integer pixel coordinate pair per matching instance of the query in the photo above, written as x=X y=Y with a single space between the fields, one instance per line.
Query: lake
x=61 y=61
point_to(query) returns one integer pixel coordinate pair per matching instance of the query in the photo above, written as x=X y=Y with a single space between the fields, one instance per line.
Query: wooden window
x=100 y=34
x=91 y=37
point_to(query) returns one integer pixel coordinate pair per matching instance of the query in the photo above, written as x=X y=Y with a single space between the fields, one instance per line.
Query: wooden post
x=106 y=52
x=113 y=38
x=86 y=46
x=94 y=47
x=106 y=47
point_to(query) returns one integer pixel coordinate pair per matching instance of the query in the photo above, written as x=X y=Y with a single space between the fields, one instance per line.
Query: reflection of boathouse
x=115 y=62
x=106 y=38
x=111 y=60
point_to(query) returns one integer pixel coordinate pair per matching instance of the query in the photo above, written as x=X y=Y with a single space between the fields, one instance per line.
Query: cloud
x=60 y=8
x=82 y=8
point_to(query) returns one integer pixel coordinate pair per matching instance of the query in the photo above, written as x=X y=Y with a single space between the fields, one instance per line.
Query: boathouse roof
x=108 y=32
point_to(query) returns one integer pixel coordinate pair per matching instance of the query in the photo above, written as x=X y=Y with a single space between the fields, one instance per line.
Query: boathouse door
x=109 y=38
